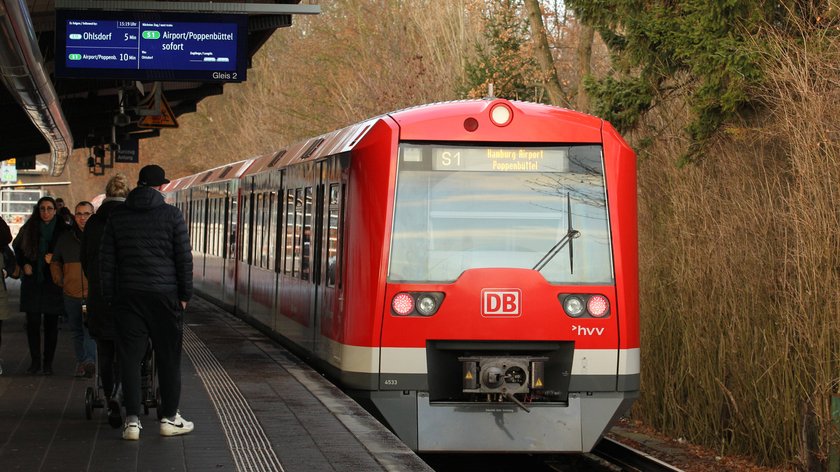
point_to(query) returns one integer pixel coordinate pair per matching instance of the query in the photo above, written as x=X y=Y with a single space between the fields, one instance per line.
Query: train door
x=327 y=276
x=231 y=216
x=295 y=292
x=198 y=233
x=213 y=283
x=243 y=262
x=263 y=279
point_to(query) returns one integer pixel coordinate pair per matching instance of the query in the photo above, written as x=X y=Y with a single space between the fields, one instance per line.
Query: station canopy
x=54 y=98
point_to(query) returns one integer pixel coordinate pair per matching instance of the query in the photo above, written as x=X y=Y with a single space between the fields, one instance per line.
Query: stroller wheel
x=89 y=402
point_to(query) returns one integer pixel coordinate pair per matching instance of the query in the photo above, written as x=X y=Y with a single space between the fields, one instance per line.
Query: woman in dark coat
x=100 y=318
x=38 y=294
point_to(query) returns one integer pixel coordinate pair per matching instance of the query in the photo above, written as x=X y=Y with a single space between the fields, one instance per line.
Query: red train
x=468 y=270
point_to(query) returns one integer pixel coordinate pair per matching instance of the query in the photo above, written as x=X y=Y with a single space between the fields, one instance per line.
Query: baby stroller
x=150 y=393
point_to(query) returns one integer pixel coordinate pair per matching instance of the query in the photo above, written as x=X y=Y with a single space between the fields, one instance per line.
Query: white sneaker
x=131 y=431
x=176 y=426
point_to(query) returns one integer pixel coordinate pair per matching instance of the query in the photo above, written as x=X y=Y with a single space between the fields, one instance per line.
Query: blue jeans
x=82 y=342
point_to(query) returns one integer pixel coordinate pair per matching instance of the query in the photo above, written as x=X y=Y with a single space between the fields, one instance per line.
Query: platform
x=256 y=407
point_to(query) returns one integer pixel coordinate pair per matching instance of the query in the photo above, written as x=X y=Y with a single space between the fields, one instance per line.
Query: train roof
x=223 y=173
x=421 y=122
x=470 y=106
x=415 y=123
x=179 y=183
x=335 y=142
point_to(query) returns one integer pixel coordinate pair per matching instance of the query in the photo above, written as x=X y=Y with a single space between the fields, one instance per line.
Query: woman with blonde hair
x=100 y=319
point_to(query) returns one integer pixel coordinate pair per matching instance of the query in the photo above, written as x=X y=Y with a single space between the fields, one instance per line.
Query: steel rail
x=630 y=458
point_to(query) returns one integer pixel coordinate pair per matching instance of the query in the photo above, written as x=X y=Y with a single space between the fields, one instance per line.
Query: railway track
x=608 y=456
x=628 y=458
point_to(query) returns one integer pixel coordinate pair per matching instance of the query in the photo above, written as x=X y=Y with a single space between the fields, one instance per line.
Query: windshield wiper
x=570 y=235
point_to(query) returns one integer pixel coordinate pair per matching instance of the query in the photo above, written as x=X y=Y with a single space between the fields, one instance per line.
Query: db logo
x=501 y=302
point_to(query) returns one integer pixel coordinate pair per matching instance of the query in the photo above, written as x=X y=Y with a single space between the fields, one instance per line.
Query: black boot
x=114 y=413
x=48 y=368
x=34 y=367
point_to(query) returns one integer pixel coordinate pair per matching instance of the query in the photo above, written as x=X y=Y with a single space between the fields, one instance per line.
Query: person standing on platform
x=63 y=212
x=100 y=316
x=5 y=239
x=38 y=294
x=66 y=270
x=146 y=268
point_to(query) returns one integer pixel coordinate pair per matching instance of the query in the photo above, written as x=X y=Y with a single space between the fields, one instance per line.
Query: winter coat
x=5 y=233
x=146 y=248
x=100 y=318
x=38 y=293
x=5 y=239
x=66 y=265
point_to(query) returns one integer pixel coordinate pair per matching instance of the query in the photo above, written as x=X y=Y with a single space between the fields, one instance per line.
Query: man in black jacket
x=146 y=273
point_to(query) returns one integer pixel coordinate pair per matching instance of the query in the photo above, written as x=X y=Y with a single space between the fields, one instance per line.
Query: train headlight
x=426 y=305
x=501 y=114
x=598 y=306
x=574 y=306
x=402 y=304
x=416 y=303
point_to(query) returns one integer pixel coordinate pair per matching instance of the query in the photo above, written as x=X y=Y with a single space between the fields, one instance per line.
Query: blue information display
x=151 y=46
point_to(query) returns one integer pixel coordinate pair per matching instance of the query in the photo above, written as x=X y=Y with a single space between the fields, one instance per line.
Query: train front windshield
x=468 y=207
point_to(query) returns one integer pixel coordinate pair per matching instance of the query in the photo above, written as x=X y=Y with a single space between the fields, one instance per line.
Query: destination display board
x=140 y=45
x=500 y=159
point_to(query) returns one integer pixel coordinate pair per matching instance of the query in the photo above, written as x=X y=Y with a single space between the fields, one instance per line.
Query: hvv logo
x=501 y=302
x=584 y=331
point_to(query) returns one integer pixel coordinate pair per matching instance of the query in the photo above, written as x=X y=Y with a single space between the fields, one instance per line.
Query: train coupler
x=503 y=375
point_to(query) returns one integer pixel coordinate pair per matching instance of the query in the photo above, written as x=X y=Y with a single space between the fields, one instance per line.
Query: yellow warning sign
x=468 y=376
x=538 y=383
x=166 y=119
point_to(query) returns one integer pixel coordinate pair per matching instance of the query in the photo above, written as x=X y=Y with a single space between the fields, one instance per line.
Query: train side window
x=191 y=222
x=202 y=225
x=196 y=217
x=264 y=230
x=213 y=227
x=210 y=246
x=272 y=231
x=298 y=232
x=341 y=230
x=332 y=234
x=232 y=212
x=306 y=244
x=258 y=230
x=289 y=231
x=220 y=227
x=216 y=229
x=246 y=229
x=194 y=225
x=199 y=223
